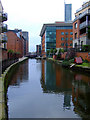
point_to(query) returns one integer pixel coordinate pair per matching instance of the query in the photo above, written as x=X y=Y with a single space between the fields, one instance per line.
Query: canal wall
x=4 y=83
x=73 y=67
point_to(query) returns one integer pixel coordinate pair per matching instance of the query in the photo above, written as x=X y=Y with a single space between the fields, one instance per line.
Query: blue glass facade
x=68 y=12
x=50 y=40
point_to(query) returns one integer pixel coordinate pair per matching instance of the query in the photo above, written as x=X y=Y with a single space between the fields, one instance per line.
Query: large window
x=71 y=33
x=62 y=38
x=62 y=44
x=76 y=25
x=66 y=38
x=71 y=38
x=62 y=33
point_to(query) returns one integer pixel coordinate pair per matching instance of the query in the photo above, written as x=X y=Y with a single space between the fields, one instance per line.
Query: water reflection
x=81 y=95
x=21 y=75
x=75 y=87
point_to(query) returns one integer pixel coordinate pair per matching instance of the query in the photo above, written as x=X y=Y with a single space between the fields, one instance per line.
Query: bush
x=86 y=48
x=86 y=61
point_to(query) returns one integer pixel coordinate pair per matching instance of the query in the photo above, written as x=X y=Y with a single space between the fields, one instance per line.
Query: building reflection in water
x=81 y=95
x=74 y=87
x=21 y=74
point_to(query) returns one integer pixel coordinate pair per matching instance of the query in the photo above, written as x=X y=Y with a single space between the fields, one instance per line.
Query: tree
x=55 y=50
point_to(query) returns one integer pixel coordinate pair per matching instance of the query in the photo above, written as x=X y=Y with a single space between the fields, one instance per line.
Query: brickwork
x=43 y=46
x=84 y=55
x=15 y=43
x=62 y=40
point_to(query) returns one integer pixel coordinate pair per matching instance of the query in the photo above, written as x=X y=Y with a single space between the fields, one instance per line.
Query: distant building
x=56 y=35
x=38 y=49
x=17 y=42
x=68 y=12
x=80 y=26
x=25 y=34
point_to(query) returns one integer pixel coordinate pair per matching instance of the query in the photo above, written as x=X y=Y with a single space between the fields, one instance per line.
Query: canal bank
x=71 y=66
x=4 y=85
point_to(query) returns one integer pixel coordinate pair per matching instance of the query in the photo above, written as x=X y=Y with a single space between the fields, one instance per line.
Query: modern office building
x=80 y=26
x=68 y=12
x=56 y=35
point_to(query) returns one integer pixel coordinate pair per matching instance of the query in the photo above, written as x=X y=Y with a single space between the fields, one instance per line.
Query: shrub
x=86 y=48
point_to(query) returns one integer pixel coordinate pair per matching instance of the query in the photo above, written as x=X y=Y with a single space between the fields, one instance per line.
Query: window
x=62 y=38
x=66 y=44
x=75 y=25
x=71 y=33
x=71 y=44
x=66 y=33
x=66 y=38
x=71 y=38
x=62 y=33
x=75 y=35
x=62 y=44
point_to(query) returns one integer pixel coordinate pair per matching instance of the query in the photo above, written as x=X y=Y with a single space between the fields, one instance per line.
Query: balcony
x=3 y=38
x=3 y=17
x=3 y=28
x=84 y=24
x=84 y=6
x=82 y=14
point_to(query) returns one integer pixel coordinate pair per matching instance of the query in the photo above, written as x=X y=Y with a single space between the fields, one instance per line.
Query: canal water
x=43 y=89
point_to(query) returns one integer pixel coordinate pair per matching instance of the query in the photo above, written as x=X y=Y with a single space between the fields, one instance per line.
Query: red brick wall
x=76 y=30
x=84 y=55
x=15 y=43
x=59 y=36
x=43 y=46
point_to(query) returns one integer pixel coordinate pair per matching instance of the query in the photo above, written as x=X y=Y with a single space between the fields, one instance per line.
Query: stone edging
x=2 y=91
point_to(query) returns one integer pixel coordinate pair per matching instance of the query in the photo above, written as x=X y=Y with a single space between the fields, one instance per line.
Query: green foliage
x=66 y=63
x=86 y=48
x=10 y=51
x=18 y=53
x=55 y=50
x=48 y=51
x=51 y=50
x=62 y=50
x=71 y=60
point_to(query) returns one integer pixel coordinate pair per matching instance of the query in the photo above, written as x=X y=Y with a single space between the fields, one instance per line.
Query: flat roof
x=57 y=24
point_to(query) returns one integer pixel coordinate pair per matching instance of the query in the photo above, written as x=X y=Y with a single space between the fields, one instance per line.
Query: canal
x=43 y=89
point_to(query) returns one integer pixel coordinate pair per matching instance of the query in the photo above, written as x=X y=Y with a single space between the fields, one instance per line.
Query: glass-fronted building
x=68 y=12
x=48 y=35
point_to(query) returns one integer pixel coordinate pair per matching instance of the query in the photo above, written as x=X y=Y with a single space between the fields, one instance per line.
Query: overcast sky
x=30 y=15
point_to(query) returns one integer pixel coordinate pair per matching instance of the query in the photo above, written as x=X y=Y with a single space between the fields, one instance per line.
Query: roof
x=57 y=24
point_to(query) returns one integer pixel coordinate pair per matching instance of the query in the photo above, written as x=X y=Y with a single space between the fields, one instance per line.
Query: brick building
x=56 y=35
x=80 y=26
x=17 y=42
